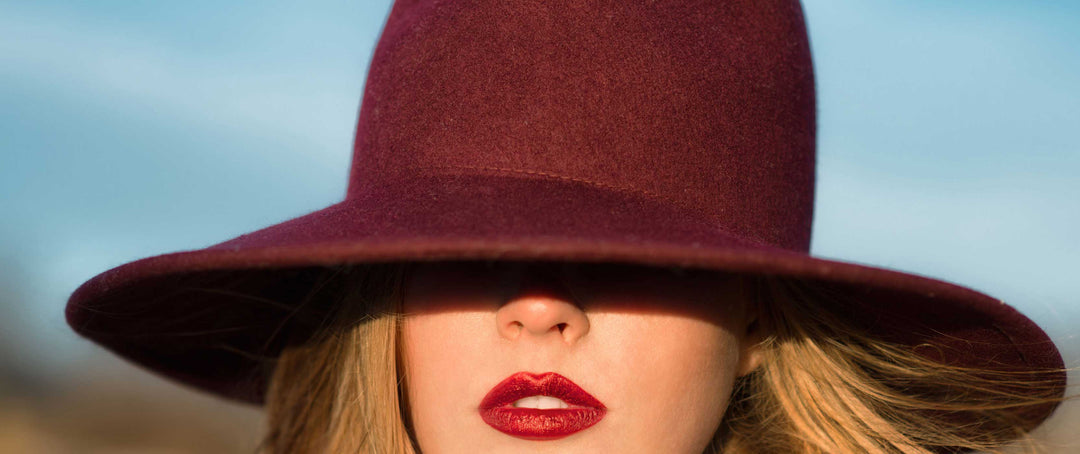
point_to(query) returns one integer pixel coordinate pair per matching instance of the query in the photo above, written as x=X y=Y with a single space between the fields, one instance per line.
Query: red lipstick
x=498 y=411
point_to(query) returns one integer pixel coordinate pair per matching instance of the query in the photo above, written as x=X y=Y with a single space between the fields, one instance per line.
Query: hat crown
x=707 y=105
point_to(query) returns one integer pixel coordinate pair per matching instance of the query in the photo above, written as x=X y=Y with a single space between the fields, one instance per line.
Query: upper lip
x=525 y=384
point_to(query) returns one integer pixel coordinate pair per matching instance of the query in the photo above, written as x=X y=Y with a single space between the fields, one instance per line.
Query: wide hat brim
x=198 y=316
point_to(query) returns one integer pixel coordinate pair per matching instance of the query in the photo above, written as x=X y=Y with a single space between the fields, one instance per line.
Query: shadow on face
x=478 y=286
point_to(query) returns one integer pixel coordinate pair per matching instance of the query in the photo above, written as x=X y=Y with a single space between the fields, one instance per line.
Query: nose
x=541 y=307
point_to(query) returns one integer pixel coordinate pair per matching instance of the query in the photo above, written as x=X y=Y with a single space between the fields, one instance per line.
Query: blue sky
x=947 y=139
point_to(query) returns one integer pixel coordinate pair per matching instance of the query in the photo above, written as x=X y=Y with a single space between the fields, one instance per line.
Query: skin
x=661 y=349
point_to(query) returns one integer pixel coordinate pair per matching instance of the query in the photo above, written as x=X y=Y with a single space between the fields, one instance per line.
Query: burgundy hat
x=674 y=133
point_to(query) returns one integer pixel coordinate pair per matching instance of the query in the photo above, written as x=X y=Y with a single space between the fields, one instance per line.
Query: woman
x=640 y=359
x=580 y=228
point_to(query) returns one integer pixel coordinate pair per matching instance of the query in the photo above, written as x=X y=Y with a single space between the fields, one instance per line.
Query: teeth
x=541 y=403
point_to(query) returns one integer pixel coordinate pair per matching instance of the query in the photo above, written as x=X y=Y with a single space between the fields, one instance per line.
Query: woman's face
x=658 y=350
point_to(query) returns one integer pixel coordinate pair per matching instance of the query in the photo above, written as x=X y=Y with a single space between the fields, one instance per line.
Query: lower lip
x=539 y=424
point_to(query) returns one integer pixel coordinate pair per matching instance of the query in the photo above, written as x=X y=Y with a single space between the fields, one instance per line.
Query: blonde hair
x=340 y=391
x=823 y=387
x=826 y=387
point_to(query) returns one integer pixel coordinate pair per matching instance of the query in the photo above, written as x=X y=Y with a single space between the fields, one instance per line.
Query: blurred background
x=948 y=147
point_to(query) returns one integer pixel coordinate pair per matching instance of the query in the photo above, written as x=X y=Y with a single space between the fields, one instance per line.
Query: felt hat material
x=675 y=133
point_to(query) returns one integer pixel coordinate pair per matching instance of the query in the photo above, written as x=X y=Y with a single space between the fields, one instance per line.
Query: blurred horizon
x=946 y=149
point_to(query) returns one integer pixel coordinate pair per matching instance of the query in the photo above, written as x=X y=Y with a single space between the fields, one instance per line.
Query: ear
x=751 y=353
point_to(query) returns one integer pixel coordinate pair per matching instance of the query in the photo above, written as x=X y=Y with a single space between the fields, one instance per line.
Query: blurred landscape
x=119 y=410
x=947 y=148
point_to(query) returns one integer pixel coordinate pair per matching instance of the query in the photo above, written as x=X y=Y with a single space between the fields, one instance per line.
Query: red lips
x=497 y=411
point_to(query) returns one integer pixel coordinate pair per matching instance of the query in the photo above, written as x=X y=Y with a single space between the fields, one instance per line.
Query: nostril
x=562 y=326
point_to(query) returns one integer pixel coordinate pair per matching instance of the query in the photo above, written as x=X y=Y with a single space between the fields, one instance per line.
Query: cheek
x=676 y=374
x=427 y=357
x=443 y=355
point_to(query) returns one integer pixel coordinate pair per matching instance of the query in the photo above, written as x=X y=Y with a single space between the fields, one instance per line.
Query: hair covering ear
x=751 y=344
